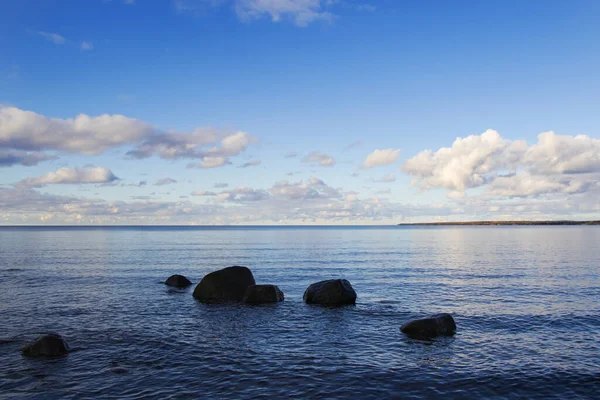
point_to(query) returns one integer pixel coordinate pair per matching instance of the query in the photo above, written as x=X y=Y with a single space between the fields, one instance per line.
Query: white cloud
x=252 y=163
x=73 y=176
x=87 y=45
x=220 y=185
x=210 y=162
x=302 y=12
x=381 y=157
x=55 y=38
x=165 y=181
x=291 y=155
x=13 y=157
x=555 y=164
x=387 y=178
x=202 y=192
x=26 y=130
x=322 y=159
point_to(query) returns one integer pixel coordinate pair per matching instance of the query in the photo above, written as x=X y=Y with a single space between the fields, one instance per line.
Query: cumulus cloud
x=291 y=155
x=55 y=38
x=9 y=158
x=381 y=157
x=321 y=159
x=506 y=168
x=175 y=145
x=26 y=130
x=220 y=185
x=165 y=181
x=73 y=176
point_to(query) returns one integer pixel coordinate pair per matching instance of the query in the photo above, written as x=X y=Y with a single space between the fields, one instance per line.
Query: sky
x=298 y=111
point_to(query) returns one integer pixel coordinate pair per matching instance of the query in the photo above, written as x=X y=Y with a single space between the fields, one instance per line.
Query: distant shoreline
x=494 y=223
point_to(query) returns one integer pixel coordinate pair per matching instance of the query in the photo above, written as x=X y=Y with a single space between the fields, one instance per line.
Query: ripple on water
x=525 y=306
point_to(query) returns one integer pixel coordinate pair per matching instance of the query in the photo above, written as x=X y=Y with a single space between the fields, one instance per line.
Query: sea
x=526 y=301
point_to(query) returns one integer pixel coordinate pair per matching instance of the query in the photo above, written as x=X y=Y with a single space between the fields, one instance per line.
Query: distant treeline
x=509 y=223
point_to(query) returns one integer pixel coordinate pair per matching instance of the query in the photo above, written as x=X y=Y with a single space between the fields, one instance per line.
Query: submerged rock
x=51 y=345
x=225 y=285
x=428 y=328
x=179 y=281
x=333 y=292
x=258 y=294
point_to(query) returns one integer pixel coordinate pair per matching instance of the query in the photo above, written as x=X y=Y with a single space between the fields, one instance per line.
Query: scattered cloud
x=252 y=163
x=301 y=12
x=321 y=159
x=387 y=178
x=54 y=38
x=28 y=131
x=203 y=192
x=506 y=168
x=291 y=155
x=381 y=157
x=352 y=145
x=165 y=181
x=72 y=176
x=87 y=45
x=9 y=158
x=220 y=185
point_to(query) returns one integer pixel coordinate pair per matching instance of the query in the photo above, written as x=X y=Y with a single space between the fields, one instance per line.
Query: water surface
x=525 y=299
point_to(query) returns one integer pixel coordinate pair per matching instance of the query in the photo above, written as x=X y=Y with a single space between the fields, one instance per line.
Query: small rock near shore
x=259 y=294
x=179 y=281
x=333 y=292
x=428 y=328
x=225 y=285
x=50 y=345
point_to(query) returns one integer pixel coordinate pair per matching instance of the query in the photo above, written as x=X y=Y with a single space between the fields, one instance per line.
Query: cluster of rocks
x=237 y=284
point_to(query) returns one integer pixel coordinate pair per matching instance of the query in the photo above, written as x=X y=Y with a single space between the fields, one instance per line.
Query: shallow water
x=525 y=299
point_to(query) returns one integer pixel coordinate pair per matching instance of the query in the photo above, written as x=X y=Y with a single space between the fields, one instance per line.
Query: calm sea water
x=526 y=301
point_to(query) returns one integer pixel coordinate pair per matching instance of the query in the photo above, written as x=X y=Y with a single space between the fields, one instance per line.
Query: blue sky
x=342 y=78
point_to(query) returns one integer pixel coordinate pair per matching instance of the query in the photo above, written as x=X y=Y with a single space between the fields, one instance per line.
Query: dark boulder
x=258 y=294
x=333 y=292
x=226 y=285
x=179 y=281
x=51 y=345
x=428 y=328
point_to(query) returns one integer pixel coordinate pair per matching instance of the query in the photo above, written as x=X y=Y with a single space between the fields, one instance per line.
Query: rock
x=258 y=294
x=333 y=292
x=428 y=328
x=179 y=281
x=51 y=345
x=225 y=285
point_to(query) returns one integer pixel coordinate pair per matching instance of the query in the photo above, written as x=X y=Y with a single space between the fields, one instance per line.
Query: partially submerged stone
x=179 y=281
x=333 y=292
x=225 y=285
x=50 y=345
x=259 y=294
x=428 y=328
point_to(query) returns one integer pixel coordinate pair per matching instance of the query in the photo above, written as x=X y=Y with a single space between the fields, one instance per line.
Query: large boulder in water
x=333 y=292
x=51 y=345
x=226 y=285
x=179 y=281
x=428 y=328
x=259 y=294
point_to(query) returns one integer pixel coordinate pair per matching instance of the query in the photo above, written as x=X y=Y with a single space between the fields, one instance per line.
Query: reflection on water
x=525 y=300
